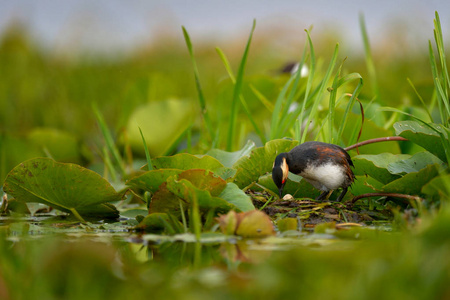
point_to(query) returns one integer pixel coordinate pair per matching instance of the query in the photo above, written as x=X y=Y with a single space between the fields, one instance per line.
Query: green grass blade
x=332 y=103
x=440 y=47
x=420 y=99
x=369 y=59
x=322 y=88
x=440 y=96
x=147 y=153
x=201 y=97
x=243 y=102
x=262 y=98
x=274 y=127
x=237 y=92
x=312 y=70
x=109 y=140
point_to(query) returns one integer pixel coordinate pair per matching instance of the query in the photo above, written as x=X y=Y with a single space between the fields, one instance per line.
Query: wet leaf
x=152 y=180
x=160 y=222
x=260 y=161
x=234 y=195
x=423 y=136
x=413 y=164
x=100 y=211
x=60 y=185
x=164 y=201
x=413 y=182
x=204 y=180
x=186 y=161
x=186 y=190
x=376 y=166
x=228 y=159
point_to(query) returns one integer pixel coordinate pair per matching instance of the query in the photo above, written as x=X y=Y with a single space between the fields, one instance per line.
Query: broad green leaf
x=151 y=180
x=365 y=184
x=164 y=201
x=423 y=136
x=413 y=164
x=260 y=161
x=187 y=191
x=376 y=166
x=254 y=224
x=438 y=186
x=413 y=182
x=162 y=123
x=234 y=195
x=186 y=161
x=160 y=222
x=60 y=185
x=228 y=159
x=204 y=180
x=99 y=211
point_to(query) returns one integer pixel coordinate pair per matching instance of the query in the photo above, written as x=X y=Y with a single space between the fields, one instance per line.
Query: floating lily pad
x=260 y=161
x=160 y=222
x=234 y=195
x=413 y=164
x=152 y=180
x=250 y=224
x=204 y=180
x=61 y=185
x=413 y=182
x=376 y=166
x=186 y=190
x=228 y=159
x=164 y=201
x=423 y=136
x=300 y=189
x=186 y=161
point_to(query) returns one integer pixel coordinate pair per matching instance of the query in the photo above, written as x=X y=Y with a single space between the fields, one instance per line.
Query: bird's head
x=280 y=172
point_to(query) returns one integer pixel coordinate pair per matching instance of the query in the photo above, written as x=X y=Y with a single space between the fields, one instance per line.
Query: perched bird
x=325 y=166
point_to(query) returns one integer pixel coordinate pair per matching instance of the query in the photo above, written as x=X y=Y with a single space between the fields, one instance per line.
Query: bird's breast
x=331 y=176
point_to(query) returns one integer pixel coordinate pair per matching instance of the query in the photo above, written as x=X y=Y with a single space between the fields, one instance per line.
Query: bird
x=325 y=166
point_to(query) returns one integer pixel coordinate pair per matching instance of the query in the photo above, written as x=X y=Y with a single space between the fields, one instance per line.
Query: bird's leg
x=344 y=191
x=324 y=195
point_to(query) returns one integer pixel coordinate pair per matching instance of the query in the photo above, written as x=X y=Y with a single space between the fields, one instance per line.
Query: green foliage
x=67 y=187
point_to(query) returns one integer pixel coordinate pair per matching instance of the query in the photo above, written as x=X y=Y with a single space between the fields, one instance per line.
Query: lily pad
x=300 y=189
x=204 y=180
x=228 y=159
x=250 y=224
x=260 y=161
x=376 y=166
x=160 y=222
x=186 y=161
x=164 y=201
x=61 y=185
x=186 y=190
x=152 y=180
x=234 y=195
x=413 y=164
x=423 y=136
x=413 y=182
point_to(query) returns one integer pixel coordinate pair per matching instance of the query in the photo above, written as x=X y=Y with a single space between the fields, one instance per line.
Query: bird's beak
x=281 y=191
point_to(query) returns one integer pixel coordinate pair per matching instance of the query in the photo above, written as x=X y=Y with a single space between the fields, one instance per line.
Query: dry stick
x=377 y=140
x=396 y=195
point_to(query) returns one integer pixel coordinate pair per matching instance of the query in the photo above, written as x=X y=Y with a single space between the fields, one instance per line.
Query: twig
x=396 y=195
x=377 y=140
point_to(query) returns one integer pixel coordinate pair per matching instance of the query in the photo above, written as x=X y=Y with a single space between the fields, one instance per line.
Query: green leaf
x=413 y=164
x=376 y=166
x=300 y=189
x=164 y=201
x=412 y=183
x=162 y=124
x=438 y=186
x=204 y=180
x=423 y=136
x=260 y=161
x=60 y=185
x=228 y=159
x=99 y=211
x=151 y=180
x=160 y=222
x=234 y=195
x=185 y=161
x=188 y=191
